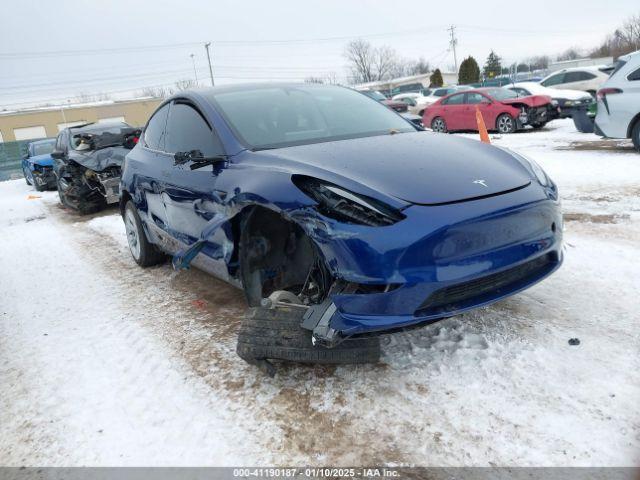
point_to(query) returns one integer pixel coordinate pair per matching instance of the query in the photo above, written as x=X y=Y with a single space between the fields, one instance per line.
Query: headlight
x=537 y=170
x=534 y=168
x=340 y=204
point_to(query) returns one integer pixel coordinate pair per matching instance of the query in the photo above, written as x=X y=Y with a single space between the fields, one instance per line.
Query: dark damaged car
x=338 y=218
x=87 y=163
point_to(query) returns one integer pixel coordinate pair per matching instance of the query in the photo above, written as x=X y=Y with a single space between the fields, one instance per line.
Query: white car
x=619 y=101
x=416 y=101
x=565 y=100
x=587 y=79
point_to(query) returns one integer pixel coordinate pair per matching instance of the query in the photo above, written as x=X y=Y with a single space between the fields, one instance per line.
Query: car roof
x=46 y=140
x=97 y=126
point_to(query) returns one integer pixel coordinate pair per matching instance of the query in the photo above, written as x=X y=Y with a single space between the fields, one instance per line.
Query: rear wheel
x=505 y=123
x=438 y=125
x=635 y=135
x=143 y=252
x=276 y=334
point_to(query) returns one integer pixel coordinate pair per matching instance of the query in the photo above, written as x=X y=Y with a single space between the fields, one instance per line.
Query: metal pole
x=454 y=42
x=206 y=46
x=195 y=73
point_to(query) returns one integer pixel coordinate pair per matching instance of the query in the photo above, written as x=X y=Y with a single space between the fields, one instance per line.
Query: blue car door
x=150 y=166
x=189 y=195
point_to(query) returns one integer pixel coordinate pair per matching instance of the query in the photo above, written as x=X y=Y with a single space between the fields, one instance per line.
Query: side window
x=454 y=99
x=154 y=133
x=187 y=130
x=440 y=92
x=476 y=98
x=634 y=75
x=554 y=80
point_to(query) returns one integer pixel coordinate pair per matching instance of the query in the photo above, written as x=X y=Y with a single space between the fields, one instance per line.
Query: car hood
x=43 y=160
x=422 y=167
x=531 y=100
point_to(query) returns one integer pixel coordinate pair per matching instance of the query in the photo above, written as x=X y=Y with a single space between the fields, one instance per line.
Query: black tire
x=26 y=179
x=147 y=254
x=505 y=123
x=40 y=188
x=439 y=125
x=80 y=205
x=635 y=135
x=538 y=126
x=276 y=334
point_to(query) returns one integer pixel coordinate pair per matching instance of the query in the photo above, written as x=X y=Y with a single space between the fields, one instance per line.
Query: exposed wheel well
x=632 y=123
x=274 y=253
x=124 y=198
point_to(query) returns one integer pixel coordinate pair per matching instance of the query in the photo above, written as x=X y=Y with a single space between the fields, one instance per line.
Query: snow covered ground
x=104 y=363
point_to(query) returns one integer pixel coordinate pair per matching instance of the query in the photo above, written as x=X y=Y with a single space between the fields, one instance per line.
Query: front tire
x=276 y=334
x=143 y=252
x=505 y=123
x=635 y=136
x=26 y=176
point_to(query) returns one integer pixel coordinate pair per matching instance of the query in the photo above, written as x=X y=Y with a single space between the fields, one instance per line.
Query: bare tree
x=84 y=97
x=569 y=54
x=361 y=57
x=155 y=92
x=419 y=67
x=185 y=84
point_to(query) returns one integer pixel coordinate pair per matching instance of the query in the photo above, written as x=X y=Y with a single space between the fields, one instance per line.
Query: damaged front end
x=88 y=177
x=43 y=176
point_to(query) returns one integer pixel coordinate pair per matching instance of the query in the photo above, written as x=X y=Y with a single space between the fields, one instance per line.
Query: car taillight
x=603 y=92
x=136 y=140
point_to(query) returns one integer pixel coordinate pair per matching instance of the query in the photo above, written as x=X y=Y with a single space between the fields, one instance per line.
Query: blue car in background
x=37 y=165
x=337 y=217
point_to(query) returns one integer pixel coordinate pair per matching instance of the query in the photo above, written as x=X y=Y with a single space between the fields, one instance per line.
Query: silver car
x=619 y=101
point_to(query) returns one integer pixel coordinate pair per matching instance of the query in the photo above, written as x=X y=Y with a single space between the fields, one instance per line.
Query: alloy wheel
x=133 y=237
x=505 y=124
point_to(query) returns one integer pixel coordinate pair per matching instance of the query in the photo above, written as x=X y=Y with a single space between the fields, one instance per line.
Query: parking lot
x=104 y=363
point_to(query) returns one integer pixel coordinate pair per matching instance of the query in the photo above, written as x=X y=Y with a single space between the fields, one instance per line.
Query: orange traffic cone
x=482 y=128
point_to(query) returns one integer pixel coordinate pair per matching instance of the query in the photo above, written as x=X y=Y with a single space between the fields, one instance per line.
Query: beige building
x=46 y=122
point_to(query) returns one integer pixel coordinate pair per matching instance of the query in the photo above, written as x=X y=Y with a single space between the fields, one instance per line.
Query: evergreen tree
x=436 y=78
x=469 y=71
x=493 y=67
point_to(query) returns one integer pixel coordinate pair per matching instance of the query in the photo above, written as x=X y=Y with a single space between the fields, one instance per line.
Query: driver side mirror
x=57 y=154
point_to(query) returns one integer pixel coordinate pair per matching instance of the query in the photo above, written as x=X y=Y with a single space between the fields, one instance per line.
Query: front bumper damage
x=437 y=262
x=473 y=256
x=44 y=177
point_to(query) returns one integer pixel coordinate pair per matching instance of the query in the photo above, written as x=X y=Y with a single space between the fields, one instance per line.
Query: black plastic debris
x=574 y=341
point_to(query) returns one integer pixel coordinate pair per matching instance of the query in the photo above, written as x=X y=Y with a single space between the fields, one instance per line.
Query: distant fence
x=11 y=154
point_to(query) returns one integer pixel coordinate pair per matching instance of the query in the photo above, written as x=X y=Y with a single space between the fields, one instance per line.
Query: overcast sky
x=41 y=42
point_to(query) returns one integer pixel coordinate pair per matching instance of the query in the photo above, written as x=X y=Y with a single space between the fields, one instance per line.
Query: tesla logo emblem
x=481 y=182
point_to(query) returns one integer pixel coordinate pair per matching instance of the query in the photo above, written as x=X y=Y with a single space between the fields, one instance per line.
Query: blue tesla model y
x=338 y=217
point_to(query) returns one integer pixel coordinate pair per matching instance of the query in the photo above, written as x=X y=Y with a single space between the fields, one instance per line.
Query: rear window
x=634 y=75
x=619 y=64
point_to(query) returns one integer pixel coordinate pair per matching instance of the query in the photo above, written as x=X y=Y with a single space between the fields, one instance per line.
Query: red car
x=502 y=110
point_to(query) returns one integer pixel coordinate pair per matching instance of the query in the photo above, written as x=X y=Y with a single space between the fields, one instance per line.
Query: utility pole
x=453 y=42
x=206 y=46
x=195 y=73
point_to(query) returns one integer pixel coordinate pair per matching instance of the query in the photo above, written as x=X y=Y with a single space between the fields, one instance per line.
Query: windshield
x=502 y=93
x=272 y=117
x=43 y=148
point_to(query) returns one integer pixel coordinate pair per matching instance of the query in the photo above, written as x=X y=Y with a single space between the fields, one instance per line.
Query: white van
x=619 y=101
